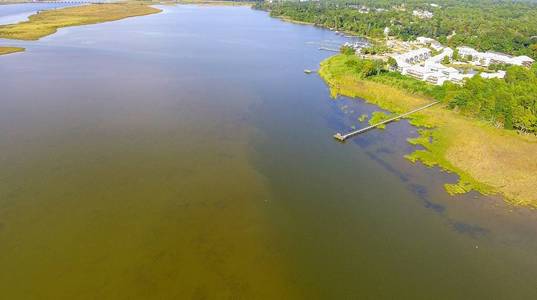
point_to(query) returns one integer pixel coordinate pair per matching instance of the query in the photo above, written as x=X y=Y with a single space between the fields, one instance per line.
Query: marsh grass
x=377 y=117
x=486 y=159
x=8 y=50
x=48 y=22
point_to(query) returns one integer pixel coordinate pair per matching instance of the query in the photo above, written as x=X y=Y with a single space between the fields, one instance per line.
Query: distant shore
x=9 y=50
x=213 y=2
x=48 y=22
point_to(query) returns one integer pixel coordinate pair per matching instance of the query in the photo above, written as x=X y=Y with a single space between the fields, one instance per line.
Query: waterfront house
x=499 y=74
x=413 y=56
x=467 y=52
x=488 y=58
x=422 y=14
x=416 y=71
x=522 y=61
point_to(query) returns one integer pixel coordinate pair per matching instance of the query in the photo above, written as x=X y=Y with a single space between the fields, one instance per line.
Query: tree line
x=487 y=25
x=510 y=102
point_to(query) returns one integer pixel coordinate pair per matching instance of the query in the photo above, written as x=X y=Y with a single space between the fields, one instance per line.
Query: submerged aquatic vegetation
x=486 y=159
x=377 y=117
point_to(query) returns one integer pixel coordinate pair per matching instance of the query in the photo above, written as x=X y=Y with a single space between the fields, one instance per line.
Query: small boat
x=308 y=71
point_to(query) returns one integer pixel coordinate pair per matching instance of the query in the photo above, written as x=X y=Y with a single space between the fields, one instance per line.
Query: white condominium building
x=412 y=57
x=488 y=58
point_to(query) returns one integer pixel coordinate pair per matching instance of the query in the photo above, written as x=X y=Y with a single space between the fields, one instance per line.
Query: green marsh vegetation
x=509 y=103
x=8 y=50
x=379 y=116
x=456 y=136
x=48 y=22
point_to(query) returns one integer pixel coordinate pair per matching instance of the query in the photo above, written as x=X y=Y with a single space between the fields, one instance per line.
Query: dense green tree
x=456 y=54
x=347 y=50
x=510 y=102
x=497 y=25
x=392 y=63
x=533 y=49
x=506 y=26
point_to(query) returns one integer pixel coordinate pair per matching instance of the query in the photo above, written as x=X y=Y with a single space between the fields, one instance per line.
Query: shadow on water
x=474 y=231
x=422 y=193
x=387 y=148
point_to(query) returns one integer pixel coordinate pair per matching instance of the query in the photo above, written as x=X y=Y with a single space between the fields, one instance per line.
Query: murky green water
x=186 y=155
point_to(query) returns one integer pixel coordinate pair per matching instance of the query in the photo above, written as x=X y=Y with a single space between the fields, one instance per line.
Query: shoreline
x=289 y=20
x=345 y=32
x=454 y=143
x=211 y=3
x=48 y=22
x=4 y=50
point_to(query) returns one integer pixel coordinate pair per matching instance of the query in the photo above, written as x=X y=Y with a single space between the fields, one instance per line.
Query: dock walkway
x=328 y=49
x=342 y=137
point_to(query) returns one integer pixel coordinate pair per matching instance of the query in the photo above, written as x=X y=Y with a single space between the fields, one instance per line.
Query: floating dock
x=342 y=137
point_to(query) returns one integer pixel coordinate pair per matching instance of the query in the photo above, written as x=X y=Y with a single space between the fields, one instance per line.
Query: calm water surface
x=186 y=155
x=14 y=13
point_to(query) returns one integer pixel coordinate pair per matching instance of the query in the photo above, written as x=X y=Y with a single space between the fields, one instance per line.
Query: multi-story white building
x=467 y=51
x=421 y=65
x=522 y=60
x=429 y=42
x=459 y=77
x=422 y=14
x=416 y=71
x=412 y=57
x=499 y=74
x=439 y=57
x=488 y=58
x=425 y=40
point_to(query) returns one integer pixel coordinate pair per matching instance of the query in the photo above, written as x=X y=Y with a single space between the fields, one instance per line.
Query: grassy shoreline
x=290 y=20
x=487 y=159
x=48 y=22
x=9 y=50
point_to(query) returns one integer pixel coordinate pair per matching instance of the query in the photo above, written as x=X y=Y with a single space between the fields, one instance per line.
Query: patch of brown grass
x=496 y=157
x=8 y=50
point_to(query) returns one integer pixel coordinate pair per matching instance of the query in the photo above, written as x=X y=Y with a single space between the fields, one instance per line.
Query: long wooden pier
x=328 y=49
x=342 y=137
